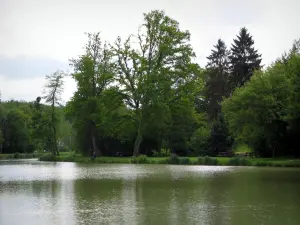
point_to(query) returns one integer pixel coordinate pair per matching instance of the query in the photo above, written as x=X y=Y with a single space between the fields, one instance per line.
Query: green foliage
x=255 y=113
x=216 y=85
x=156 y=73
x=173 y=159
x=242 y=147
x=144 y=95
x=141 y=159
x=162 y=153
x=184 y=161
x=1 y=136
x=207 y=161
x=239 y=161
x=244 y=59
x=16 y=155
x=200 y=140
x=48 y=157
x=53 y=91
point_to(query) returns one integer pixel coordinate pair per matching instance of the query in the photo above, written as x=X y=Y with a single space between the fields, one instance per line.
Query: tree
x=291 y=66
x=17 y=131
x=255 y=113
x=1 y=140
x=244 y=59
x=148 y=74
x=53 y=91
x=216 y=86
x=94 y=73
x=41 y=125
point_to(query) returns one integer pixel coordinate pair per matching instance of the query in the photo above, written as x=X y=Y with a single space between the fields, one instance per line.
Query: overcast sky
x=37 y=37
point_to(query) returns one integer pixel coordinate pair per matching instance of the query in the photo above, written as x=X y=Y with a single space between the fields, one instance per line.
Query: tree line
x=146 y=95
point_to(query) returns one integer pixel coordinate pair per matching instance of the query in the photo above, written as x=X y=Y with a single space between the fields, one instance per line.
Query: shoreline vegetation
x=147 y=95
x=172 y=160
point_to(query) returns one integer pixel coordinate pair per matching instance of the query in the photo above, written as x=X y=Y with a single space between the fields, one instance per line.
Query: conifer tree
x=244 y=59
x=217 y=78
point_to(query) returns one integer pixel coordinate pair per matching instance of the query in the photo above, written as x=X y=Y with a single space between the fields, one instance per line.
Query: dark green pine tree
x=244 y=59
x=217 y=78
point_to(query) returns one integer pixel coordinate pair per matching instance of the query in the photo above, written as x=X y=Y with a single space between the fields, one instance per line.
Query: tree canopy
x=145 y=94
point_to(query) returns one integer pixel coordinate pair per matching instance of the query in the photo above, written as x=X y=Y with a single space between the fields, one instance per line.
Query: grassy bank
x=20 y=156
x=173 y=159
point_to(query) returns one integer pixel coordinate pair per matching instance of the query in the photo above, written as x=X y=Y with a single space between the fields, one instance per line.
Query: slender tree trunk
x=94 y=141
x=138 y=141
x=54 y=131
x=55 y=141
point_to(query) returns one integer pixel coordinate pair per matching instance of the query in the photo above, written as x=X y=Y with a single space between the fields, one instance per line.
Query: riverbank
x=20 y=156
x=221 y=161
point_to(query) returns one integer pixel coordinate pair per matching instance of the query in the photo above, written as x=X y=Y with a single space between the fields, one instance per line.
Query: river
x=33 y=192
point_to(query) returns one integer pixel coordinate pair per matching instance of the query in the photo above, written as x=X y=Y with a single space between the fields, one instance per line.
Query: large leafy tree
x=255 y=113
x=244 y=59
x=291 y=63
x=94 y=73
x=149 y=73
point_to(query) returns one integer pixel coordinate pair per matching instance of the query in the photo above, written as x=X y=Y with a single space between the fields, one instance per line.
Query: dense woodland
x=147 y=95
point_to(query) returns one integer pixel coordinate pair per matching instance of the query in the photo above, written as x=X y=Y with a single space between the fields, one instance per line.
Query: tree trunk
x=54 y=131
x=93 y=136
x=138 y=141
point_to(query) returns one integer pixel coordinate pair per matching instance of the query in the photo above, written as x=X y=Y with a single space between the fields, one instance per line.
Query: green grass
x=221 y=161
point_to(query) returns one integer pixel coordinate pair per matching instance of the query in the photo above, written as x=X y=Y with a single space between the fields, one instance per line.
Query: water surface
x=33 y=192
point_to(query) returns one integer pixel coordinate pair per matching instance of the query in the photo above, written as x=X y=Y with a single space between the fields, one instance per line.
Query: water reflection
x=69 y=193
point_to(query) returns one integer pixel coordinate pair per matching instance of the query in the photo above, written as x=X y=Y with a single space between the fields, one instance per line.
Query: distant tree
x=217 y=78
x=244 y=59
x=53 y=91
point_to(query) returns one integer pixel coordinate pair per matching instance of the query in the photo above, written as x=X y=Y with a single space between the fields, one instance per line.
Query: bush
x=68 y=158
x=48 y=157
x=162 y=153
x=184 y=161
x=173 y=159
x=238 y=161
x=17 y=155
x=163 y=161
x=207 y=161
x=242 y=148
x=262 y=164
x=141 y=159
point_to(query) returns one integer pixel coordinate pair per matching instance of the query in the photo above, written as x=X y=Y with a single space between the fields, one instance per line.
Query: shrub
x=162 y=153
x=141 y=159
x=184 y=161
x=238 y=161
x=17 y=155
x=163 y=161
x=165 y=152
x=68 y=158
x=241 y=147
x=48 y=157
x=173 y=159
x=262 y=164
x=207 y=161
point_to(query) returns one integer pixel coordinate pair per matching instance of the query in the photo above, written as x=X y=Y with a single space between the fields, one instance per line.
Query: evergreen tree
x=217 y=78
x=244 y=59
x=219 y=136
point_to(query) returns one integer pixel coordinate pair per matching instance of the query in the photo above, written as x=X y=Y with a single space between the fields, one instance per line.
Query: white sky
x=37 y=37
